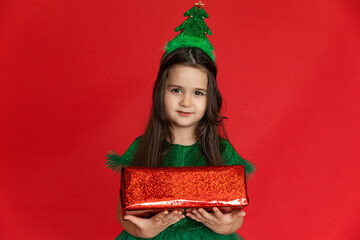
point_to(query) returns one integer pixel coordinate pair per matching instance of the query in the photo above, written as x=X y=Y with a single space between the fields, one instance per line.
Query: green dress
x=183 y=156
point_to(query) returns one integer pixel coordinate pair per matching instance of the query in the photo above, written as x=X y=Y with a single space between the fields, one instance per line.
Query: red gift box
x=146 y=191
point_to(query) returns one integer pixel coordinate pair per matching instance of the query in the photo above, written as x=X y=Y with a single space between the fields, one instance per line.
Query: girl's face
x=185 y=97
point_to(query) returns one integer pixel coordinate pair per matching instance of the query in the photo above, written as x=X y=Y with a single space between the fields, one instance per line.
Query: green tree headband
x=193 y=32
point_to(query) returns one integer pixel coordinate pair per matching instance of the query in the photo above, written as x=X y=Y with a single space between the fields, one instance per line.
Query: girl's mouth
x=184 y=114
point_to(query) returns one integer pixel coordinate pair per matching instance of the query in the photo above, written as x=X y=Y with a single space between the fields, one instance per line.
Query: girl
x=185 y=128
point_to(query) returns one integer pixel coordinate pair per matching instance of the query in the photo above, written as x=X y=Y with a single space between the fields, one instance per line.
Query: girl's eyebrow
x=174 y=85
x=201 y=89
x=178 y=86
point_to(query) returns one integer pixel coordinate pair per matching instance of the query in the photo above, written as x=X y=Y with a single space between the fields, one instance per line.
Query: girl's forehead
x=182 y=73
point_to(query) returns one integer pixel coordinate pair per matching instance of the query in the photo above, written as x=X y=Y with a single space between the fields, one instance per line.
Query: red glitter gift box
x=146 y=191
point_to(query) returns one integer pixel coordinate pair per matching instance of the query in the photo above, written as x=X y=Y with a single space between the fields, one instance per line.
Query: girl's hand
x=219 y=222
x=149 y=228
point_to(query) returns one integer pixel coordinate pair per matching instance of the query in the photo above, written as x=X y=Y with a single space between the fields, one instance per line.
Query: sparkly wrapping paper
x=147 y=191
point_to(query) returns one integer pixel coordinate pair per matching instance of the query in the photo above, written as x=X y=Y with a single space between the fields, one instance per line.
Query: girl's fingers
x=198 y=215
x=241 y=214
x=174 y=215
x=205 y=214
x=169 y=217
x=159 y=217
x=191 y=215
x=218 y=214
x=175 y=220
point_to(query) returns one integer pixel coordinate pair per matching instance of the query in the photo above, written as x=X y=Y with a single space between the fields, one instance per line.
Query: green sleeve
x=231 y=157
x=114 y=161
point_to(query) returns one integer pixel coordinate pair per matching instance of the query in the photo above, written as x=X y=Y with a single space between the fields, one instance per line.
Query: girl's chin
x=182 y=125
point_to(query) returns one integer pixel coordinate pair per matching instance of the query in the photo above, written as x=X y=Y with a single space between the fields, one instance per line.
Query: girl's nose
x=185 y=101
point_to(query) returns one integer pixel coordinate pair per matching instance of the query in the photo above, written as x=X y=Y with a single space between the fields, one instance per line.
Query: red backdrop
x=76 y=81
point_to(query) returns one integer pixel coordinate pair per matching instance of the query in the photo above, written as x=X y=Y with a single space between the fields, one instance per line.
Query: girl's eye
x=198 y=93
x=176 y=90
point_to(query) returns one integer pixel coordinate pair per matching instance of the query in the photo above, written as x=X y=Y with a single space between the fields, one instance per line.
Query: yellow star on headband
x=199 y=5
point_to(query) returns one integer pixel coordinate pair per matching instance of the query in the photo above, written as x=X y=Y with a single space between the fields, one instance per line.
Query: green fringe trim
x=114 y=161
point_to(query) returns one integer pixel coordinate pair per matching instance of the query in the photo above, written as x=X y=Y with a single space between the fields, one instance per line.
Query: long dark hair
x=210 y=129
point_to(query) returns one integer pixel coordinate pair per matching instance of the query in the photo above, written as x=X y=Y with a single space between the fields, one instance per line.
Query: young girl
x=185 y=128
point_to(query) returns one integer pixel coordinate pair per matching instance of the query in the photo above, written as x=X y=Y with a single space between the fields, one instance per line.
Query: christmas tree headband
x=193 y=32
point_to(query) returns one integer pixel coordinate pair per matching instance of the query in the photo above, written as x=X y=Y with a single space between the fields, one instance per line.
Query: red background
x=76 y=81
